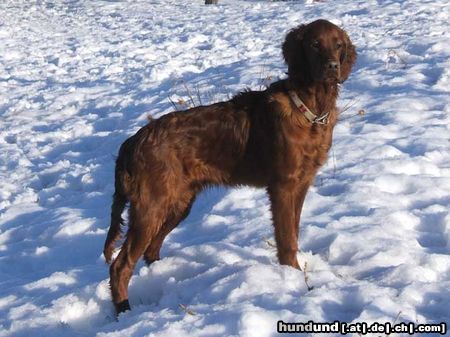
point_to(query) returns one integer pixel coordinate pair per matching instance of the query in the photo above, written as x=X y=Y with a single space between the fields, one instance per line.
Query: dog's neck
x=319 y=97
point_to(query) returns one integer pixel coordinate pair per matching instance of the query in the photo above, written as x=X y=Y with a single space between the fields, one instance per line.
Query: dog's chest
x=305 y=148
x=300 y=145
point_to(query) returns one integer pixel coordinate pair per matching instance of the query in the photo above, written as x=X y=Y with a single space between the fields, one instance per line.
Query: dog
x=275 y=139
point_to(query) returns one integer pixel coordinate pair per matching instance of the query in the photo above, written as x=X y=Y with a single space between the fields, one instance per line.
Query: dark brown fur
x=259 y=138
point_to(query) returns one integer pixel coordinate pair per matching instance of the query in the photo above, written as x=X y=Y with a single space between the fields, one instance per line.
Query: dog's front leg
x=286 y=202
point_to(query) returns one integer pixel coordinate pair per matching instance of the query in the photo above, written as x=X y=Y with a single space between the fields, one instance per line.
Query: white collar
x=310 y=116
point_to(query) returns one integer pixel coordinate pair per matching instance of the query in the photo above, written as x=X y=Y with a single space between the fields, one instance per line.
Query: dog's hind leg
x=178 y=214
x=118 y=205
x=120 y=199
x=145 y=221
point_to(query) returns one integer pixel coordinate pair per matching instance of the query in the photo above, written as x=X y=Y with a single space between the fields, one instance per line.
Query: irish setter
x=276 y=139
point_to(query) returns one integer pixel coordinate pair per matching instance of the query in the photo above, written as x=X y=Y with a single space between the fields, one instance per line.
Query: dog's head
x=318 y=52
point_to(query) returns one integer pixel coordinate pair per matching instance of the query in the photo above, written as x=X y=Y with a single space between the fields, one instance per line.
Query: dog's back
x=212 y=144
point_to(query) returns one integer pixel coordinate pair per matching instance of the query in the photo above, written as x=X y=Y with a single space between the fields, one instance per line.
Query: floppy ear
x=293 y=53
x=348 y=58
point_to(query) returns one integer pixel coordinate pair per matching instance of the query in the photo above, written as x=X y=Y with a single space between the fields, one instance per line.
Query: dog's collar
x=310 y=116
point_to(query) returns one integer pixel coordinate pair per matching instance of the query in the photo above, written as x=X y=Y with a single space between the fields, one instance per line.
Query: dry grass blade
x=306 y=277
x=270 y=243
x=199 y=97
x=172 y=102
x=395 y=320
x=347 y=107
x=188 y=92
x=186 y=309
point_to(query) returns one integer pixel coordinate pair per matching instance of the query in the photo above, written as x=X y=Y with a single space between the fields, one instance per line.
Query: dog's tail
x=120 y=199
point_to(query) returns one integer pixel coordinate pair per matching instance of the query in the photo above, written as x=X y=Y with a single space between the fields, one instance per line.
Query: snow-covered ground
x=78 y=77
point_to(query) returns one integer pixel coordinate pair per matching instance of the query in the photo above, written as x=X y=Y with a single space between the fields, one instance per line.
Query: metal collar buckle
x=323 y=120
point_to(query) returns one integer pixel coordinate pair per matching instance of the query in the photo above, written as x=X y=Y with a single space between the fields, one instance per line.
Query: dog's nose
x=333 y=65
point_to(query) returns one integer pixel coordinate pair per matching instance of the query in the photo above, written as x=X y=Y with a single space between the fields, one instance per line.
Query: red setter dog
x=276 y=138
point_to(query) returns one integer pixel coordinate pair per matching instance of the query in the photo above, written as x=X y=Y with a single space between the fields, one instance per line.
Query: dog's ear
x=293 y=52
x=348 y=58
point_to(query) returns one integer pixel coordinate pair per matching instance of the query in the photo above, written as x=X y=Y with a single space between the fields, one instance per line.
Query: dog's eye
x=315 y=44
x=338 y=45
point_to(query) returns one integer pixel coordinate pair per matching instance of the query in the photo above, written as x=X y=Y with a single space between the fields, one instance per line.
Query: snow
x=77 y=78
